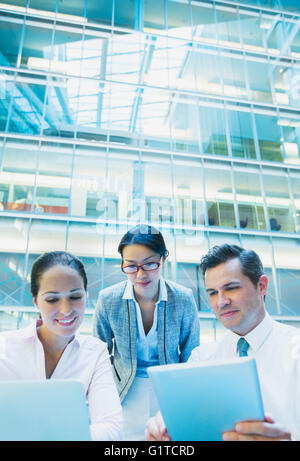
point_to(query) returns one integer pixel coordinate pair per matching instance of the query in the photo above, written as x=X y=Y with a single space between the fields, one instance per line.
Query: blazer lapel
x=161 y=332
x=132 y=321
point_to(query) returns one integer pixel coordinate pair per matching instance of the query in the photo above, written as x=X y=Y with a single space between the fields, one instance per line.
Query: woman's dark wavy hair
x=54 y=258
x=145 y=235
x=251 y=264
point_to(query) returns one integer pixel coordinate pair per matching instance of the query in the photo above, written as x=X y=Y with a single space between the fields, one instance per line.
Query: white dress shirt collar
x=162 y=295
x=258 y=335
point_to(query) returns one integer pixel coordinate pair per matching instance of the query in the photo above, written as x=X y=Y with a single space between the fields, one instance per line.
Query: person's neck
x=255 y=324
x=51 y=342
x=151 y=297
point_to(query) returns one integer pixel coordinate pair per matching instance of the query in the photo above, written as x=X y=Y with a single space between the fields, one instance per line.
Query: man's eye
x=52 y=300
x=75 y=297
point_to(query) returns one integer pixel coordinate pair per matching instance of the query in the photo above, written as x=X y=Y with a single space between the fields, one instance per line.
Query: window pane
x=263 y=247
x=295 y=181
x=241 y=134
x=9 y=42
x=288 y=274
x=188 y=194
x=213 y=131
x=281 y=216
x=249 y=198
x=269 y=138
x=13 y=245
x=219 y=195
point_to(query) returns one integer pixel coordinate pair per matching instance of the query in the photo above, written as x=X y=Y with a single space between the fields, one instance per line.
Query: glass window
x=269 y=137
x=179 y=19
x=128 y=56
x=259 y=81
x=288 y=274
x=9 y=320
x=204 y=24
x=48 y=5
x=99 y=12
x=219 y=194
x=154 y=15
x=17 y=178
x=126 y=14
x=241 y=134
x=295 y=181
x=274 y=32
x=13 y=246
x=46 y=235
x=292 y=30
x=290 y=138
x=263 y=247
x=9 y=42
x=286 y=85
x=281 y=216
x=233 y=75
x=252 y=32
x=158 y=194
x=53 y=179
x=283 y=5
x=188 y=194
x=204 y=67
x=218 y=238
x=88 y=183
x=189 y=251
x=249 y=198
x=37 y=52
x=227 y=27
x=213 y=130
x=26 y=111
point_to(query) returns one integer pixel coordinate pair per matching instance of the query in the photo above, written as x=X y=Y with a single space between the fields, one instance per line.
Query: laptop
x=199 y=401
x=49 y=410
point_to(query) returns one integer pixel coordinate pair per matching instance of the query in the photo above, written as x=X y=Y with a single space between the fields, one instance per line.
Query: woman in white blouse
x=52 y=348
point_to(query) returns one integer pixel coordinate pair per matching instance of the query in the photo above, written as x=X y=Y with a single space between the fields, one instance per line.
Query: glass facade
x=180 y=113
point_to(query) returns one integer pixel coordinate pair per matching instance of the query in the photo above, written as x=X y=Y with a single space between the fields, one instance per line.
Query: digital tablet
x=46 y=410
x=199 y=401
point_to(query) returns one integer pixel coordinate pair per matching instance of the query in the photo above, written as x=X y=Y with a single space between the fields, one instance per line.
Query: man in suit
x=237 y=286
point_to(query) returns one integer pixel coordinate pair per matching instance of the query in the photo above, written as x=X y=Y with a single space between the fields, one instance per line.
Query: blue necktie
x=242 y=347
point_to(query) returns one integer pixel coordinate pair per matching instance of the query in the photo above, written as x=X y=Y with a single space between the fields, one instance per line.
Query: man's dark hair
x=145 y=235
x=54 y=258
x=251 y=264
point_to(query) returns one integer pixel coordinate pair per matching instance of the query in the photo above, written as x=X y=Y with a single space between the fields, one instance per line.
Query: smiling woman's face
x=145 y=283
x=61 y=300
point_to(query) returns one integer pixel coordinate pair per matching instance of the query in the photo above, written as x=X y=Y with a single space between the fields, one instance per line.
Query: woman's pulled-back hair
x=145 y=235
x=54 y=258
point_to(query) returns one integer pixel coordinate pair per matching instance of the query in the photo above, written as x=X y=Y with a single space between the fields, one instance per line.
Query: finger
x=156 y=429
x=269 y=419
x=152 y=431
x=262 y=428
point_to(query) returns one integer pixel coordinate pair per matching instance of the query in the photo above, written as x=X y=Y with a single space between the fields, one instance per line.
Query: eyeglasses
x=147 y=267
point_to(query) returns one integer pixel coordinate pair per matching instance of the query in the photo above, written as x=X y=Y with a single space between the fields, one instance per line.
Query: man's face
x=234 y=299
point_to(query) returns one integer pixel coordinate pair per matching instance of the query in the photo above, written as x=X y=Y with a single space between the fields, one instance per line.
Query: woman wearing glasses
x=146 y=321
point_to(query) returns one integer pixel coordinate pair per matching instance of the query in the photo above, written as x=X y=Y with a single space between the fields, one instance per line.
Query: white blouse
x=84 y=359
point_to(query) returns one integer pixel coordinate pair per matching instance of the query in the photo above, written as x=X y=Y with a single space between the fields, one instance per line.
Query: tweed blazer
x=115 y=322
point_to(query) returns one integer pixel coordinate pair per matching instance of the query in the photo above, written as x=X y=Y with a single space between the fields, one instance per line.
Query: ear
x=34 y=301
x=263 y=285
